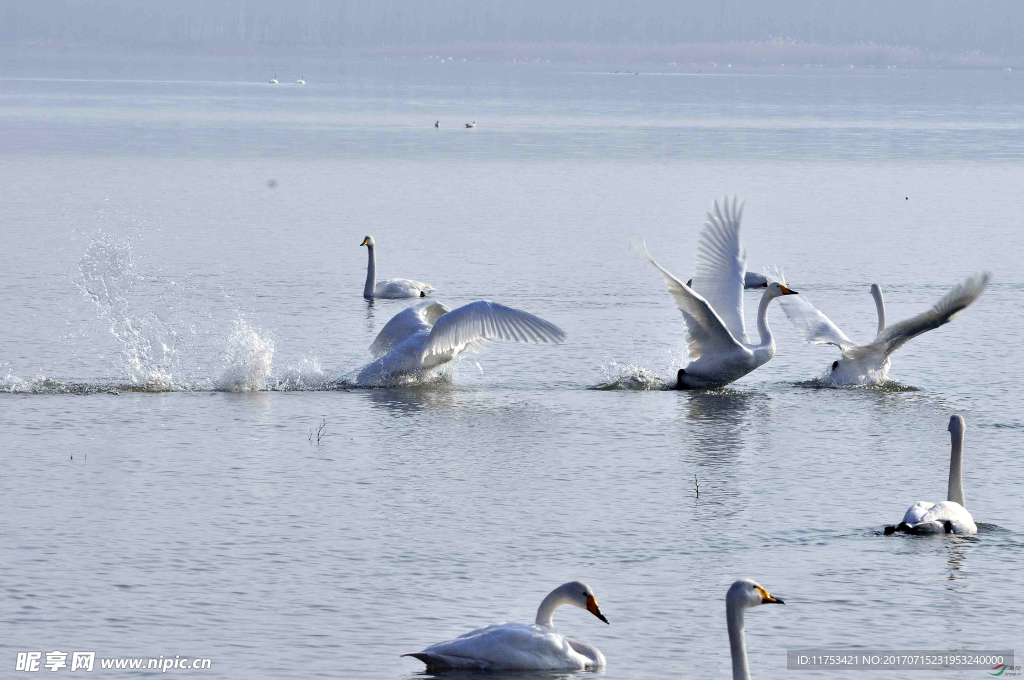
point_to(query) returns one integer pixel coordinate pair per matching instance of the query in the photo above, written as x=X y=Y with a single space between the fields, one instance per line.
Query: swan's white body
x=719 y=349
x=949 y=516
x=302 y=80
x=428 y=335
x=390 y=288
x=869 y=364
x=273 y=81
x=743 y=595
x=517 y=646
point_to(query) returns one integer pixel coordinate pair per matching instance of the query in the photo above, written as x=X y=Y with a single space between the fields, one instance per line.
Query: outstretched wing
x=408 y=322
x=479 y=321
x=945 y=310
x=721 y=266
x=705 y=330
x=813 y=326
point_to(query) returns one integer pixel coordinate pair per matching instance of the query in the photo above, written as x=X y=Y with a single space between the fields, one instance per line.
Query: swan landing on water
x=869 y=364
x=743 y=595
x=517 y=646
x=391 y=288
x=428 y=335
x=716 y=338
x=949 y=516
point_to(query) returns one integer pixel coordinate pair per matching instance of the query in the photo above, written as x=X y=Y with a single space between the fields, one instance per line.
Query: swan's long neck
x=371 y=272
x=956 y=476
x=737 y=645
x=767 y=341
x=553 y=601
x=876 y=293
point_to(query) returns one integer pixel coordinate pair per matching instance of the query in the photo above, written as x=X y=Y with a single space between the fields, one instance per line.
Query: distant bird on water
x=302 y=80
x=273 y=81
x=437 y=124
x=471 y=125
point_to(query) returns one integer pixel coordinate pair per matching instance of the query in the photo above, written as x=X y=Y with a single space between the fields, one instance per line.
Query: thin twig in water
x=321 y=432
x=696 y=485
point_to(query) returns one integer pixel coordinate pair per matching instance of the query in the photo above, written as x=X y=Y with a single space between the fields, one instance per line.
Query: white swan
x=428 y=335
x=517 y=646
x=471 y=125
x=273 y=81
x=302 y=80
x=720 y=351
x=743 y=595
x=869 y=364
x=949 y=516
x=391 y=288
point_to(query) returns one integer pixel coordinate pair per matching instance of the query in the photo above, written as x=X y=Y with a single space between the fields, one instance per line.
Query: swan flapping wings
x=705 y=329
x=452 y=331
x=721 y=266
x=815 y=327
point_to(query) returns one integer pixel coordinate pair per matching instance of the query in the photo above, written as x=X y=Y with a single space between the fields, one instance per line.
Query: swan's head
x=956 y=425
x=746 y=594
x=580 y=595
x=775 y=289
x=367 y=241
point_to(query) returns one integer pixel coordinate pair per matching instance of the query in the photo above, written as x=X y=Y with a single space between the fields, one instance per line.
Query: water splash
x=627 y=376
x=149 y=342
x=248 y=359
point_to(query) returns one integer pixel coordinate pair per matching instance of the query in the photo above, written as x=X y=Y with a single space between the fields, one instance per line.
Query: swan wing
x=504 y=646
x=705 y=330
x=472 y=324
x=945 y=310
x=405 y=324
x=721 y=267
x=813 y=326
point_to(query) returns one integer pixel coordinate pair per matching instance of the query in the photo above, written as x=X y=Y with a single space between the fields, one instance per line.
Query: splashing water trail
x=108 y=277
x=628 y=377
x=248 y=358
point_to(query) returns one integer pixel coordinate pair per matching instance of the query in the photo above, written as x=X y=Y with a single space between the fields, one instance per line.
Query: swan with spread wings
x=712 y=306
x=869 y=364
x=428 y=335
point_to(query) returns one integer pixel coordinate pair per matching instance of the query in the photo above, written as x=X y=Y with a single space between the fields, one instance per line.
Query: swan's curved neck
x=737 y=645
x=553 y=601
x=371 y=272
x=956 y=476
x=767 y=341
x=876 y=293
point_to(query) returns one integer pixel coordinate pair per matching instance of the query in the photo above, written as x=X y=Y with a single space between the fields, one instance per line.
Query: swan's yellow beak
x=766 y=597
x=787 y=291
x=365 y=241
x=594 y=609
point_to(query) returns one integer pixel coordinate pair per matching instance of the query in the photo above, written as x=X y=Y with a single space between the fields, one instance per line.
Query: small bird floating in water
x=471 y=125
x=273 y=81
x=437 y=124
x=302 y=80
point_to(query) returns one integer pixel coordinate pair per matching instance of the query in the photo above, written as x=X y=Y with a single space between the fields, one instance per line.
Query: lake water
x=180 y=291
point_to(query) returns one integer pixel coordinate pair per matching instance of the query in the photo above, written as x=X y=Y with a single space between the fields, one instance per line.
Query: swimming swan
x=391 y=288
x=743 y=595
x=720 y=351
x=428 y=335
x=949 y=516
x=869 y=364
x=273 y=81
x=302 y=80
x=517 y=646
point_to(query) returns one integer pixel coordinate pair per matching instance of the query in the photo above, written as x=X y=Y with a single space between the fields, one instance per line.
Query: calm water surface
x=180 y=287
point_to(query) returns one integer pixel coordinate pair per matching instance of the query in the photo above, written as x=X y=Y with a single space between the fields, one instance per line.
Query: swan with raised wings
x=869 y=364
x=518 y=646
x=719 y=349
x=428 y=335
x=949 y=516
x=390 y=288
x=743 y=595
